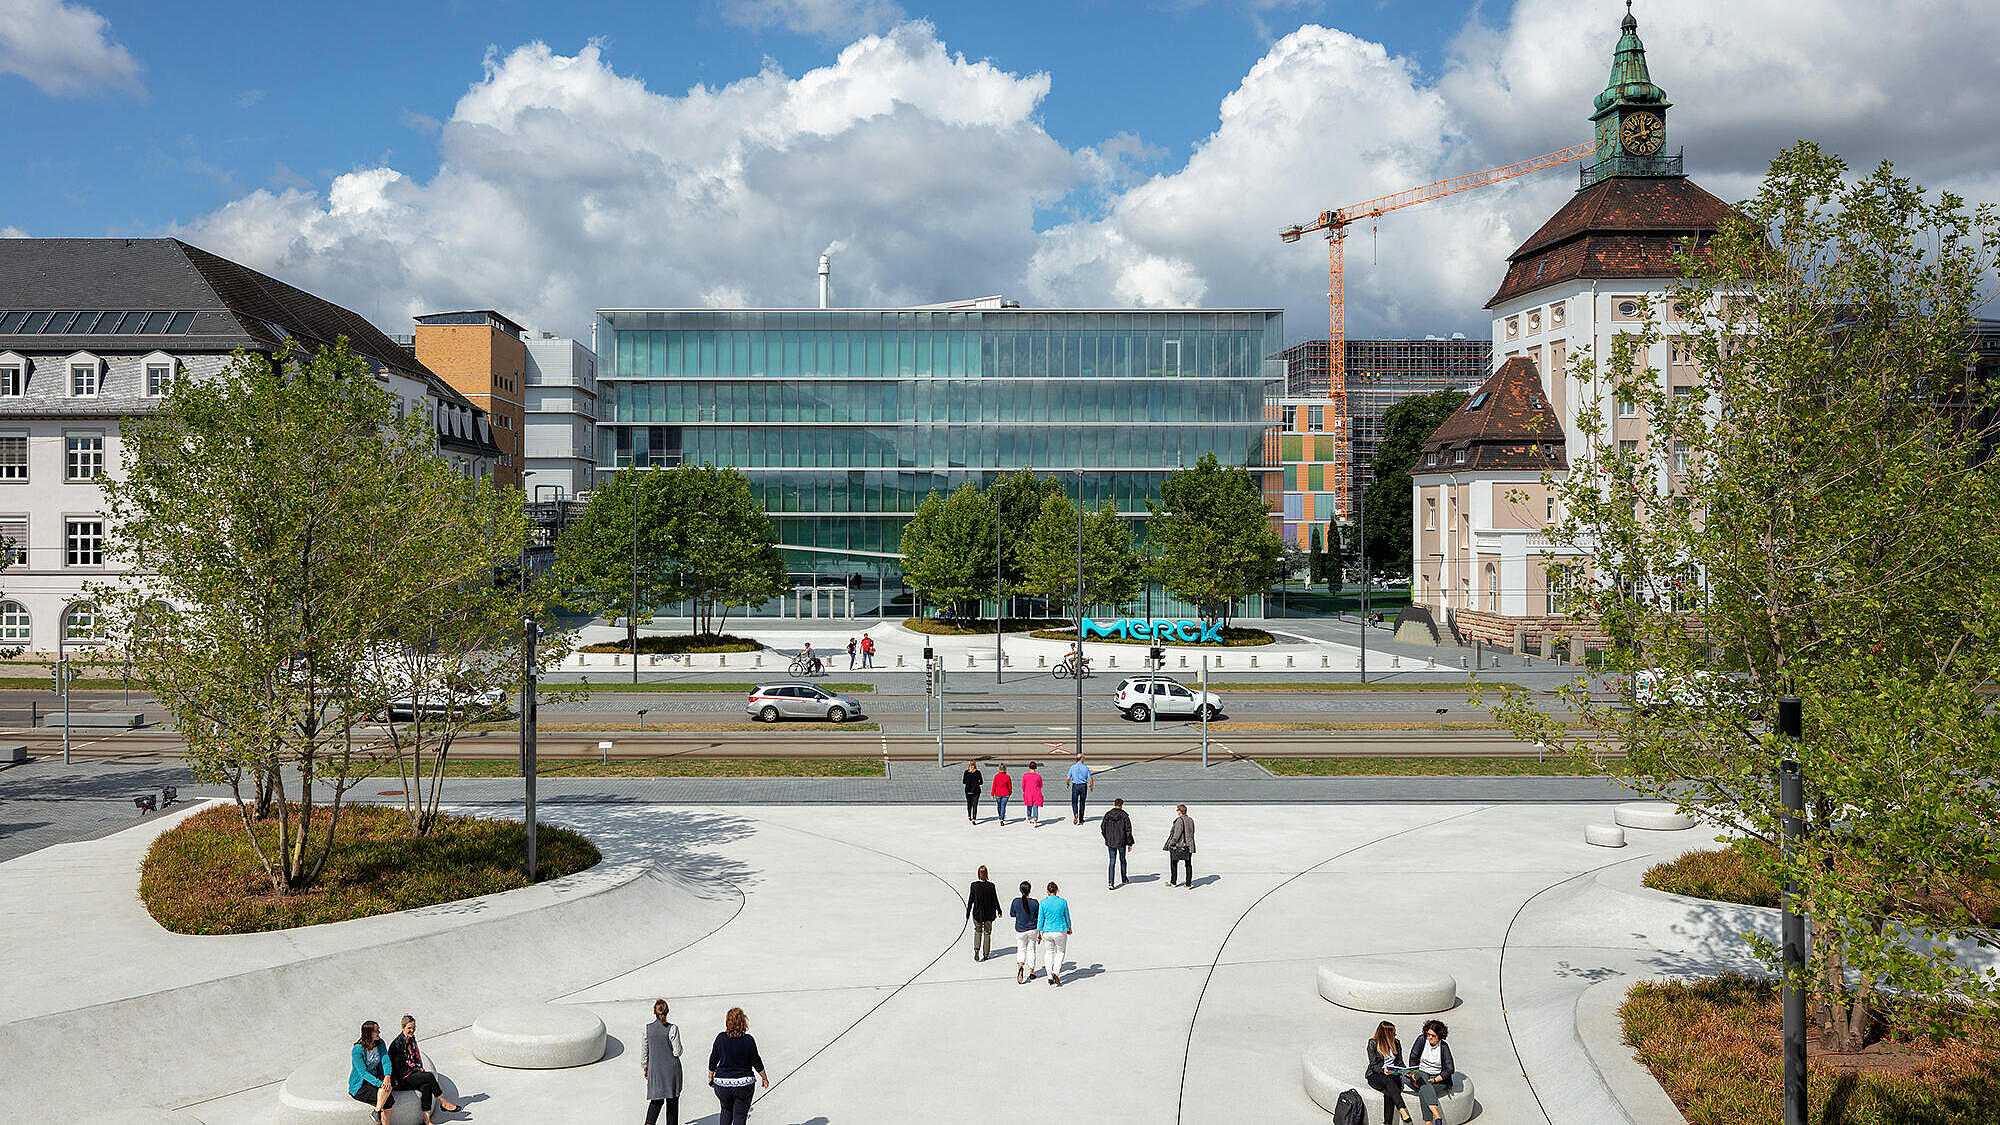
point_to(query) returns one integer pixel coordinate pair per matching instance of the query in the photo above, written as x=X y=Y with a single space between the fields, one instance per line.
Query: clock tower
x=1631 y=116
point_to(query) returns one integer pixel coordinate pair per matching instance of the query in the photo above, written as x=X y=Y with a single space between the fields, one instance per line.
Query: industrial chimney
x=825 y=268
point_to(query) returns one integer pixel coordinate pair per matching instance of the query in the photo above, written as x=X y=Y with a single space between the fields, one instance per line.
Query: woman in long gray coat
x=660 y=1063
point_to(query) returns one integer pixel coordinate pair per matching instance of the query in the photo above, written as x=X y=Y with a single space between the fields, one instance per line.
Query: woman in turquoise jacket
x=368 y=1078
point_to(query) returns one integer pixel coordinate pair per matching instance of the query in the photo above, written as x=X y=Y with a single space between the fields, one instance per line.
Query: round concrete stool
x=137 y=1116
x=316 y=1094
x=1660 y=816
x=1604 y=835
x=537 y=1037
x=1398 y=987
x=1329 y=1070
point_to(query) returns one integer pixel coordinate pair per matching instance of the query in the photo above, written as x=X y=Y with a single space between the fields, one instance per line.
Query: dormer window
x=1458 y=457
x=13 y=375
x=86 y=372
x=160 y=369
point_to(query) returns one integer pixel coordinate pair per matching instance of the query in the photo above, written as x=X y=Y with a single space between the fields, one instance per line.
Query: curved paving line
x=1187 y=1048
x=1500 y=975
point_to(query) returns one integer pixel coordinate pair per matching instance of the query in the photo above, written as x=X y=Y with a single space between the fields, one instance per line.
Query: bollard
x=1111 y=661
x=1218 y=660
x=1326 y=661
x=899 y=660
x=1041 y=660
x=1288 y=662
x=1253 y=662
x=722 y=660
x=1006 y=661
x=970 y=662
x=759 y=661
x=1395 y=662
x=1184 y=660
x=1462 y=663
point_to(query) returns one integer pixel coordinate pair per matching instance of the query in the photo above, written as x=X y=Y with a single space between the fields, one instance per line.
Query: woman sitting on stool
x=1385 y=1050
x=409 y=1073
x=1430 y=1063
x=368 y=1079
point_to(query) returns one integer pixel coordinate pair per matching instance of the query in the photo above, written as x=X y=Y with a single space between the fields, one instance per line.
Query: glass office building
x=843 y=419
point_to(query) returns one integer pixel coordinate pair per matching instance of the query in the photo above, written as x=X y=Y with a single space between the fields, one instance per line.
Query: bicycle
x=803 y=666
x=1066 y=667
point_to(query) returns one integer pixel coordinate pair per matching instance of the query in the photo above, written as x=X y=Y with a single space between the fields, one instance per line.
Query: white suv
x=1143 y=696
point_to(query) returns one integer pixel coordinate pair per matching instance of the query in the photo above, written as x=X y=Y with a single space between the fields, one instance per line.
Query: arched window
x=15 y=624
x=1492 y=590
x=80 y=623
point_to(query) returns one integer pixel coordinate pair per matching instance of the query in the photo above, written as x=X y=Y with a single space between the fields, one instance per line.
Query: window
x=1458 y=457
x=83 y=380
x=1534 y=322
x=1627 y=408
x=1627 y=308
x=1629 y=447
x=1478 y=401
x=80 y=623
x=13 y=456
x=1492 y=590
x=1173 y=357
x=14 y=622
x=1549 y=508
x=13 y=382
x=83 y=542
x=1430 y=514
x=14 y=539
x=1680 y=457
x=1557 y=589
x=157 y=377
x=1291 y=418
x=1556 y=314
x=1513 y=327
x=1316 y=418
x=85 y=456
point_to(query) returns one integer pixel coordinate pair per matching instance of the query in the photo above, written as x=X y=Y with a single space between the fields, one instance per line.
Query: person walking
x=982 y=905
x=1117 y=829
x=1080 y=785
x=368 y=1080
x=1052 y=919
x=1003 y=787
x=406 y=1061
x=852 y=649
x=975 y=788
x=1031 y=792
x=1026 y=913
x=660 y=1066
x=867 y=651
x=1180 y=847
x=731 y=1062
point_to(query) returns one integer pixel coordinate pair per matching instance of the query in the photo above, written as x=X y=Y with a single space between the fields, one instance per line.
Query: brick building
x=483 y=356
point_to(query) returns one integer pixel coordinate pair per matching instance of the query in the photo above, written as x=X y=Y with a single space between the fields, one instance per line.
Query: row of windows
x=86 y=378
x=929 y=447
x=989 y=354
x=79 y=623
x=83 y=540
x=83 y=457
x=1065 y=401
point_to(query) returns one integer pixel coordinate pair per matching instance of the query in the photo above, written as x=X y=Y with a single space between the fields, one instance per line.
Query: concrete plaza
x=840 y=929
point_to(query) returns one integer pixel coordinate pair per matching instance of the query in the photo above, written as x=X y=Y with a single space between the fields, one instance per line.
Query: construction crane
x=1335 y=224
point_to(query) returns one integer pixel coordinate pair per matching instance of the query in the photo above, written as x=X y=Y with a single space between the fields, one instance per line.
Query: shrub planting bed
x=680 y=645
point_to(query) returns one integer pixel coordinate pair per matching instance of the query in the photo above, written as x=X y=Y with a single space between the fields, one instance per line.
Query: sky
x=546 y=160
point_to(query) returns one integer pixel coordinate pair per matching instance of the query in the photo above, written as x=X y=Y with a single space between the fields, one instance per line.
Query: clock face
x=1643 y=133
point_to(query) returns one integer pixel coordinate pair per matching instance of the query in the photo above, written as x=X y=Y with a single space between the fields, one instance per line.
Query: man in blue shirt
x=1080 y=785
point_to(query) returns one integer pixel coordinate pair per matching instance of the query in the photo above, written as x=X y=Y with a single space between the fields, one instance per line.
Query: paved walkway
x=840 y=928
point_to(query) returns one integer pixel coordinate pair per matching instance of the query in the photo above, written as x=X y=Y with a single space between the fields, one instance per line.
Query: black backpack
x=1347 y=1109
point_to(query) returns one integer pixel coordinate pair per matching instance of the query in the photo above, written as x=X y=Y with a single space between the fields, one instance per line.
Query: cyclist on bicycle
x=1078 y=662
x=813 y=666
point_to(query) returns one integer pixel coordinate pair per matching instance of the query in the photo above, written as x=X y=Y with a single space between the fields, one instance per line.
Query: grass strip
x=48 y=683
x=1390 y=688
x=1716 y=1045
x=1429 y=767
x=1228 y=725
x=671 y=767
x=201 y=876
x=626 y=727
x=745 y=687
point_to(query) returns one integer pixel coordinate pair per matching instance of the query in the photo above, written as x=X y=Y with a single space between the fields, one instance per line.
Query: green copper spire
x=1631 y=115
x=1630 y=81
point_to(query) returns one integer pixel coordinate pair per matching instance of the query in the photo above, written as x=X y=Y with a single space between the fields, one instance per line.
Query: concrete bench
x=1657 y=816
x=1332 y=1068
x=1604 y=835
x=1387 y=986
x=13 y=755
x=316 y=1094
x=97 y=720
x=537 y=1036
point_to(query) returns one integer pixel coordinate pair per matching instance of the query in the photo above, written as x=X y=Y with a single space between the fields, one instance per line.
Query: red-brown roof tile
x=1507 y=424
x=1624 y=226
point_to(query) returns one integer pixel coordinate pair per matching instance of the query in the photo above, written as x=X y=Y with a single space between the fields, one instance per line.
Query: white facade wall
x=559 y=435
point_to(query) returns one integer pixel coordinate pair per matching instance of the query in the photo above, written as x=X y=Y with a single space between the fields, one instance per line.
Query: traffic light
x=1158 y=656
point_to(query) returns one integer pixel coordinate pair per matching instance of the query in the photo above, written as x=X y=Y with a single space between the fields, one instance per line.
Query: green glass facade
x=844 y=418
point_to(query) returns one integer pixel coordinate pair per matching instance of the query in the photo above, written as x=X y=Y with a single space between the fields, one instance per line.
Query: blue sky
x=549 y=159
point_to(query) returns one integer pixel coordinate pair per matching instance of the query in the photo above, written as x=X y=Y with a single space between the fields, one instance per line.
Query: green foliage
x=1388 y=498
x=1111 y=570
x=948 y=553
x=1834 y=534
x=296 y=536
x=1212 y=538
x=1017 y=498
x=1738 y=873
x=1315 y=558
x=1339 y=553
x=202 y=876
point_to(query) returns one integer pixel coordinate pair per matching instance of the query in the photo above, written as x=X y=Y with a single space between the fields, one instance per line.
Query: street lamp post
x=1361 y=537
x=1792 y=926
x=530 y=632
x=1079 y=612
x=999 y=613
x=632 y=617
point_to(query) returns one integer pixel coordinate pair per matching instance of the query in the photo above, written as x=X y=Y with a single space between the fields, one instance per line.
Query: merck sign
x=1157 y=629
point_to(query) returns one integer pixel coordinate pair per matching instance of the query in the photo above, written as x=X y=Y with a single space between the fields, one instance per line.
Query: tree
x=721 y=543
x=621 y=550
x=1315 y=558
x=1017 y=499
x=1388 y=502
x=1817 y=518
x=282 y=524
x=1111 y=568
x=948 y=549
x=1212 y=538
x=1339 y=549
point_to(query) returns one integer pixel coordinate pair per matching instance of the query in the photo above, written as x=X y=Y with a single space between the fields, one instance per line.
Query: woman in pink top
x=1003 y=788
x=1031 y=793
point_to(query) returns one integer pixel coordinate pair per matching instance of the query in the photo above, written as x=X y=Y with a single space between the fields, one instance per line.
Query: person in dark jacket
x=975 y=788
x=1026 y=913
x=407 y=1059
x=982 y=905
x=1385 y=1051
x=660 y=1066
x=1180 y=847
x=1430 y=1070
x=1117 y=828
x=730 y=1063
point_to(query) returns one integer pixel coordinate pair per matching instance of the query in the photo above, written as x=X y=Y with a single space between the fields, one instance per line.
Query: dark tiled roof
x=1507 y=424
x=1624 y=226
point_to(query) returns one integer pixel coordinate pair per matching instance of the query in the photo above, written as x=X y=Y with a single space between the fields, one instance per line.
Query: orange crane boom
x=1335 y=224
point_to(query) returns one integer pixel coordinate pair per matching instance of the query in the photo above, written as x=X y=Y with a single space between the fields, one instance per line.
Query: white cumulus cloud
x=824 y=19
x=63 y=49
